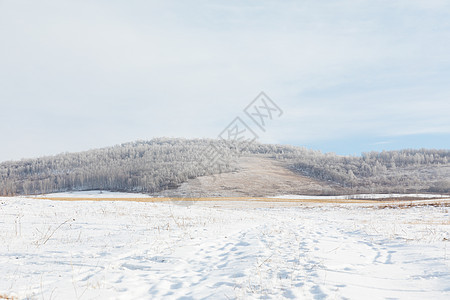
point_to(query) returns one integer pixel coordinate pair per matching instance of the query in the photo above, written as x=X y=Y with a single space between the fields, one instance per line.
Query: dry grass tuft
x=4 y=296
x=413 y=204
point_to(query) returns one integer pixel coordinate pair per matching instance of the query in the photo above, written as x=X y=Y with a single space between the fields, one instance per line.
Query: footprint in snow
x=176 y=286
x=288 y=294
x=237 y=275
x=242 y=243
x=318 y=293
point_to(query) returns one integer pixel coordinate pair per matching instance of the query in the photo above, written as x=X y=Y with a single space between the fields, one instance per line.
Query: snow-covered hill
x=201 y=167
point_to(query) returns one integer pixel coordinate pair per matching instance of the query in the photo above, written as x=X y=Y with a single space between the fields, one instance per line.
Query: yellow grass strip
x=220 y=199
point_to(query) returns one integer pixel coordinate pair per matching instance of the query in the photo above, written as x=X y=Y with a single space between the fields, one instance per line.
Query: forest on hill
x=163 y=163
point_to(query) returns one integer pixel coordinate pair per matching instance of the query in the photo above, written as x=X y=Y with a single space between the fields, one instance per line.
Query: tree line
x=163 y=163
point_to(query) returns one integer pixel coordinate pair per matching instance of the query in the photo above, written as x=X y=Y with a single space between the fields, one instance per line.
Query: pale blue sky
x=350 y=76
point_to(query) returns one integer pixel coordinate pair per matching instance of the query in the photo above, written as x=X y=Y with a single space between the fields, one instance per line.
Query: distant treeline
x=144 y=166
x=378 y=172
x=159 y=164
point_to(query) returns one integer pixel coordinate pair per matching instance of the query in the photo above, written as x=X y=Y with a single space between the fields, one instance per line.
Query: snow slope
x=138 y=250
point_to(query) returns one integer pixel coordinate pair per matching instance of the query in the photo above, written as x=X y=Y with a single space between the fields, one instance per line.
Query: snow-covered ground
x=143 y=250
x=361 y=196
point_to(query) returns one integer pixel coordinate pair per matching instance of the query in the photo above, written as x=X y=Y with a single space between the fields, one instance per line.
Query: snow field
x=137 y=250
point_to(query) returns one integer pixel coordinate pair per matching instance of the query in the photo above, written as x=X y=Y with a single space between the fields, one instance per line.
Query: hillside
x=257 y=176
x=181 y=167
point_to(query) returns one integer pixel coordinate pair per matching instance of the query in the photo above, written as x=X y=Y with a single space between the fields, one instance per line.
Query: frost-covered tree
x=159 y=164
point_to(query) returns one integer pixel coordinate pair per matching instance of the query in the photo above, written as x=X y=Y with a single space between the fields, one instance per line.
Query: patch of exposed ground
x=256 y=177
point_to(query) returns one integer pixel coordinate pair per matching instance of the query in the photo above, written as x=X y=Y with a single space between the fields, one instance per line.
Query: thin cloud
x=89 y=74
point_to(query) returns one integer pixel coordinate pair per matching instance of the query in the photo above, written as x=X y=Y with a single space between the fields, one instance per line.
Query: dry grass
x=410 y=204
x=429 y=222
x=4 y=296
x=218 y=199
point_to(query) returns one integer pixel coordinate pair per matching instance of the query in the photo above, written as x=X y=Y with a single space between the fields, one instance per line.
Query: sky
x=349 y=76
